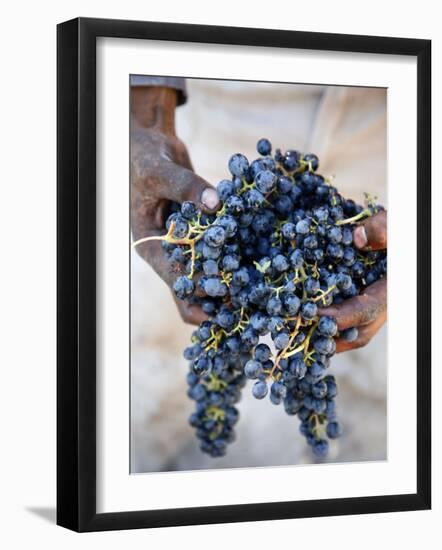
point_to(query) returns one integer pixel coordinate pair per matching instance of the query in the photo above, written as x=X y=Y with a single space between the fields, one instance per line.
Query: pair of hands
x=161 y=171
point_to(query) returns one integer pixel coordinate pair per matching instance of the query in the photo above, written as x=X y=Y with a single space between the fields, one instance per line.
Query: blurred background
x=346 y=128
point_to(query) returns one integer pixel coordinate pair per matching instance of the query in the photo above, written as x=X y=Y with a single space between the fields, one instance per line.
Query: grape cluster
x=280 y=247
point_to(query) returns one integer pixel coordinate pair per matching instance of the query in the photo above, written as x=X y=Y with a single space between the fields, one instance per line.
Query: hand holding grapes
x=366 y=312
x=161 y=172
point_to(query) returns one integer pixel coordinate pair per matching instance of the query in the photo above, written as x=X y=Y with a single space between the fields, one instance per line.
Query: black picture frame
x=76 y=273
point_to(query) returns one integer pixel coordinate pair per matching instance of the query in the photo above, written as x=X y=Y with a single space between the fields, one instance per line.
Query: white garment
x=346 y=128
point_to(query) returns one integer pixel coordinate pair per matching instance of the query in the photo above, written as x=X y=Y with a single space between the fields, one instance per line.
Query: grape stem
x=318 y=425
x=169 y=238
x=323 y=293
x=215 y=413
x=292 y=337
x=240 y=325
x=213 y=341
x=366 y=213
x=304 y=346
x=215 y=383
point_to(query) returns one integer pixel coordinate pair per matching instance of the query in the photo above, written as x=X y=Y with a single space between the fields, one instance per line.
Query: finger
x=366 y=333
x=190 y=313
x=199 y=292
x=154 y=255
x=182 y=157
x=180 y=184
x=372 y=232
x=362 y=309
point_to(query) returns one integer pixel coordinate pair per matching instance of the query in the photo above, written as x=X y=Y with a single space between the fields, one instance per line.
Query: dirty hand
x=161 y=172
x=368 y=311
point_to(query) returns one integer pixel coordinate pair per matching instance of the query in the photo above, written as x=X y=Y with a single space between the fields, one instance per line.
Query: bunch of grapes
x=280 y=247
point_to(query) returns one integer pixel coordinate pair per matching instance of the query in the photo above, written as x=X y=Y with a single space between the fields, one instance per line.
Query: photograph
x=258 y=274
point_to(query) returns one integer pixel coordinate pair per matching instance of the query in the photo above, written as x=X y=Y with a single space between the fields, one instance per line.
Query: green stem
x=365 y=213
x=324 y=293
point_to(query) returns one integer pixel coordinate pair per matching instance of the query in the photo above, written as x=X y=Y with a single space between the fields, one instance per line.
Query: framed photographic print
x=223 y=347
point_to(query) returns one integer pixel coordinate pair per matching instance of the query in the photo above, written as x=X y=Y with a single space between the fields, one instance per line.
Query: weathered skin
x=161 y=172
x=368 y=311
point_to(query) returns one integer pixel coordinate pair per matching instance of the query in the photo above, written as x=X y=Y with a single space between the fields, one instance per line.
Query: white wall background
x=27 y=299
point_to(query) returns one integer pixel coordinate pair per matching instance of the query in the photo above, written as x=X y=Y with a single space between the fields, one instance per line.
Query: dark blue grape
x=238 y=165
x=320 y=448
x=335 y=251
x=197 y=392
x=231 y=262
x=274 y=306
x=181 y=228
x=347 y=236
x=313 y=159
x=241 y=277
x=334 y=235
x=350 y=334
x=234 y=205
x=276 y=323
x=324 y=345
x=311 y=286
x=311 y=242
x=260 y=390
x=283 y=205
x=253 y=369
x=303 y=227
x=281 y=340
x=288 y=231
x=225 y=319
x=215 y=236
x=202 y=365
x=214 y=287
x=291 y=163
x=210 y=252
x=319 y=390
x=225 y=189
x=284 y=185
x=249 y=337
x=334 y=430
x=183 y=287
x=254 y=200
x=343 y=281
x=191 y=352
x=280 y=263
x=229 y=224
x=327 y=326
x=262 y=353
x=264 y=147
x=291 y=303
x=210 y=267
x=259 y=322
x=297 y=259
x=309 y=311
x=297 y=367
x=189 y=210
x=265 y=181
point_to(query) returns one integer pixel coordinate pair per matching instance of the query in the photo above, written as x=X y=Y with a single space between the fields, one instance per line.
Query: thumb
x=372 y=232
x=180 y=184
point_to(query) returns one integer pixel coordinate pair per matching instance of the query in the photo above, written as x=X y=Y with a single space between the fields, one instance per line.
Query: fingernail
x=360 y=237
x=210 y=198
